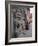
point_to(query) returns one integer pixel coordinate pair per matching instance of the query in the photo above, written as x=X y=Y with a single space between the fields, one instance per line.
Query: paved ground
x=27 y=33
